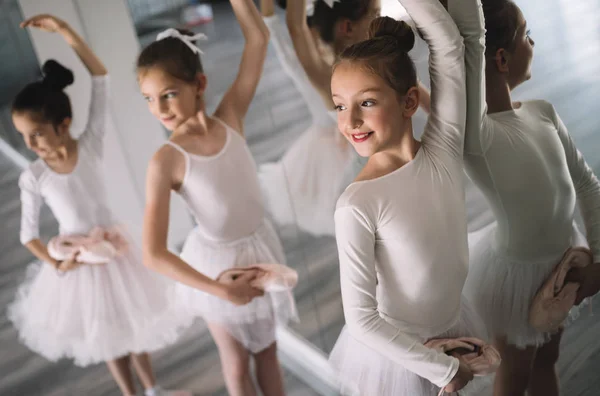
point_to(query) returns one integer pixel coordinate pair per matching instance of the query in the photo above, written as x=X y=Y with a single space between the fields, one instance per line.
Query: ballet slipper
x=269 y=278
x=481 y=358
x=229 y=276
x=552 y=303
x=100 y=246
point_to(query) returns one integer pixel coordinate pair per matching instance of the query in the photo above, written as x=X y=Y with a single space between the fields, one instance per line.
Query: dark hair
x=283 y=5
x=324 y=17
x=173 y=56
x=385 y=53
x=45 y=98
x=500 y=24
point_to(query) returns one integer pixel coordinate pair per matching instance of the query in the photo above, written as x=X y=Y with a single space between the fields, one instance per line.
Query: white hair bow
x=187 y=40
x=310 y=5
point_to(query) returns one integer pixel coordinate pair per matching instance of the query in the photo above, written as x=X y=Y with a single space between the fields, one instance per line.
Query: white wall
x=135 y=134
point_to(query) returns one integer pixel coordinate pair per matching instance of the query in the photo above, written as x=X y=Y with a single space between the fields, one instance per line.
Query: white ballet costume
x=94 y=313
x=530 y=171
x=223 y=194
x=304 y=185
x=479 y=213
x=402 y=243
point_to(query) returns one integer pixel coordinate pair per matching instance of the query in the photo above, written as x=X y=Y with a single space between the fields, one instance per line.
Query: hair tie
x=187 y=40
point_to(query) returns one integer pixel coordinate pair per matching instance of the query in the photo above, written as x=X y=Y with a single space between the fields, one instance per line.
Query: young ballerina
x=344 y=24
x=207 y=161
x=401 y=227
x=524 y=161
x=115 y=312
x=304 y=185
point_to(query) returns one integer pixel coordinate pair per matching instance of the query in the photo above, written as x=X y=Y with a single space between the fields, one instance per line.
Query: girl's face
x=43 y=138
x=171 y=100
x=522 y=56
x=371 y=114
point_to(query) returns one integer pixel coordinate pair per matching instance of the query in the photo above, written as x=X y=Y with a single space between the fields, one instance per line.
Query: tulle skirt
x=501 y=288
x=304 y=186
x=363 y=371
x=96 y=313
x=252 y=324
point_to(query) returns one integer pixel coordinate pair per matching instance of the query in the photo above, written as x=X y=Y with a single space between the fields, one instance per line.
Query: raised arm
x=50 y=23
x=356 y=246
x=468 y=16
x=290 y=63
x=235 y=103
x=446 y=125
x=98 y=109
x=316 y=68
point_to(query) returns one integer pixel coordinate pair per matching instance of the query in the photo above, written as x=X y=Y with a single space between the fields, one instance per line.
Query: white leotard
x=402 y=237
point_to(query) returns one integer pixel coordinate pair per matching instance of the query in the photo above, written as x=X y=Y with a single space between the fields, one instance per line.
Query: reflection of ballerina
x=303 y=187
x=522 y=157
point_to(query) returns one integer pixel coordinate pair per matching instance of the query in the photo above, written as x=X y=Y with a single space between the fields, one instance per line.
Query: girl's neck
x=401 y=151
x=498 y=93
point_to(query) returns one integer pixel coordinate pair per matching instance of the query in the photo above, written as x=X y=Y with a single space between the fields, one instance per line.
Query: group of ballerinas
x=120 y=311
x=395 y=204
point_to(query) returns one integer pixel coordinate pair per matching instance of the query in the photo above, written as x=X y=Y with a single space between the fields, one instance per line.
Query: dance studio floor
x=566 y=71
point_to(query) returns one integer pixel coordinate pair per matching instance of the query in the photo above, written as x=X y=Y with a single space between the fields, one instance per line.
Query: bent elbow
x=151 y=259
x=266 y=34
x=260 y=39
x=360 y=328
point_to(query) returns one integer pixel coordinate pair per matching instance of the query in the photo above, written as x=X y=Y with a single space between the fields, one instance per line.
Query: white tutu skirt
x=96 y=313
x=363 y=371
x=252 y=324
x=502 y=288
x=304 y=186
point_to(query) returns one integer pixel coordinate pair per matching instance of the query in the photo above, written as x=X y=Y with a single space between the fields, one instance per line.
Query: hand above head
x=45 y=22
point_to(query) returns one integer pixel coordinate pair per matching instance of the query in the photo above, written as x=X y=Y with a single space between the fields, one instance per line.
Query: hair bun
x=56 y=76
x=398 y=30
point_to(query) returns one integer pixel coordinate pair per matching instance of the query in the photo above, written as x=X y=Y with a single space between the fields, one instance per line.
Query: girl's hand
x=588 y=279
x=45 y=22
x=463 y=376
x=240 y=292
x=69 y=265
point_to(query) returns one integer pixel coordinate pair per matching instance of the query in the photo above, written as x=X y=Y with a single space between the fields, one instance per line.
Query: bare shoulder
x=163 y=156
x=164 y=160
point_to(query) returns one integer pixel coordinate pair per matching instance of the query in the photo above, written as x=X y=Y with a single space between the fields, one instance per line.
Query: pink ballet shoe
x=270 y=277
x=481 y=358
x=552 y=303
x=99 y=247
